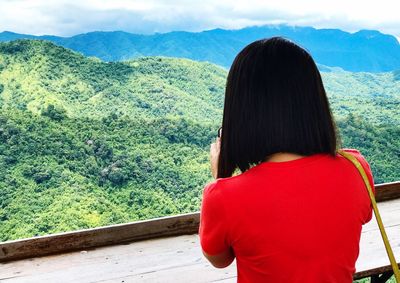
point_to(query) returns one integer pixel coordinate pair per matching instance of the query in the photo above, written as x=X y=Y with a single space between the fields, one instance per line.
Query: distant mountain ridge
x=362 y=51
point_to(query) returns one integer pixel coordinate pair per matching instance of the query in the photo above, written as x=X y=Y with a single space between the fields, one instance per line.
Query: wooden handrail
x=387 y=191
x=128 y=232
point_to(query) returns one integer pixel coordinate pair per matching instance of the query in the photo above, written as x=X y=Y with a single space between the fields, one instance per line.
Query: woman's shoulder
x=357 y=154
x=363 y=161
x=215 y=186
x=221 y=185
x=351 y=150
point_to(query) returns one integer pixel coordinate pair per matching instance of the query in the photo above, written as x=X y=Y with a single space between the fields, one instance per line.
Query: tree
x=54 y=113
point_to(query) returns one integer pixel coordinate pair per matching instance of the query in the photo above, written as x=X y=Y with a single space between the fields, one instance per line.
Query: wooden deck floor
x=174 y=259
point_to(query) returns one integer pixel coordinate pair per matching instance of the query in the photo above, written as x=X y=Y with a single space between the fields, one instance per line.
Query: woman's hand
x=214 y=155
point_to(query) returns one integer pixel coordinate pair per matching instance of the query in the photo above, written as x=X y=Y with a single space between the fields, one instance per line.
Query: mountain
x=365 y=50
x=38 y=73
x=85 y=143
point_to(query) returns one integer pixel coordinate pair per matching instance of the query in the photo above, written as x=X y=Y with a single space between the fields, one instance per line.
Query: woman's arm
x=225 y=258
x=214 y=155
x=221 y=260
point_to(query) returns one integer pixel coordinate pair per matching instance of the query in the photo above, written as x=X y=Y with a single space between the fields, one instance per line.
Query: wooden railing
x=127 y=232
x=143 y=230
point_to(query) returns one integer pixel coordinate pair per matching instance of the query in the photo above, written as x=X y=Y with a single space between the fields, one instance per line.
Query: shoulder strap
x=389 y=251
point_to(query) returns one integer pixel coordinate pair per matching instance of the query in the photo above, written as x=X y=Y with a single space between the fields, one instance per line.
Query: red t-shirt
x=292 y=221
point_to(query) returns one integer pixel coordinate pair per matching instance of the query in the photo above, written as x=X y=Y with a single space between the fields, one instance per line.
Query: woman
x=295 y=212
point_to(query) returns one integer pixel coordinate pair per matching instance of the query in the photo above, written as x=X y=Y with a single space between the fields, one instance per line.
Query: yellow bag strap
x=376 y=212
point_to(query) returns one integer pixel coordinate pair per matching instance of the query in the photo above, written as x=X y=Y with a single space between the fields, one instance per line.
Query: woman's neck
x=283 y=156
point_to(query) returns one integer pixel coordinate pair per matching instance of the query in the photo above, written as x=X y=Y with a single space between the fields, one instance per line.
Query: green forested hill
x=85 y=143
x=37 y=73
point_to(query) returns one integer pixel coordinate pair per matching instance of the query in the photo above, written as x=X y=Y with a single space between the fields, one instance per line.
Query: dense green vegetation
x=85 y=143
x=59 y=175
x=368 y=280
x=36 y=74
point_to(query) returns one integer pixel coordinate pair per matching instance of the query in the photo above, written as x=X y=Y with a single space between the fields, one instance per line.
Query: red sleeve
x=212 y=230
x=367 y=168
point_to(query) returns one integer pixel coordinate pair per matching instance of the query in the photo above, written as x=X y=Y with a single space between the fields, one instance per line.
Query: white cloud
x=61 y=17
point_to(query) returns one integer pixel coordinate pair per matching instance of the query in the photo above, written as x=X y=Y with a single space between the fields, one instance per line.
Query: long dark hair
x=275 y=101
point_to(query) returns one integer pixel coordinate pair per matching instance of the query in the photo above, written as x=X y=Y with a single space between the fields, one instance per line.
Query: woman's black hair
x=275 y=101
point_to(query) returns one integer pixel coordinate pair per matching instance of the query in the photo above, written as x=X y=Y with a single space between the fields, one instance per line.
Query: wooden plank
x=136 y=262
x=373 y=258
x=387 y=191
x=128 y=232
x=108 y=235
x=177 y=259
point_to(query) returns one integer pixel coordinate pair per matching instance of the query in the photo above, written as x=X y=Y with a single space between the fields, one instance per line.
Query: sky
x=66 y=18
